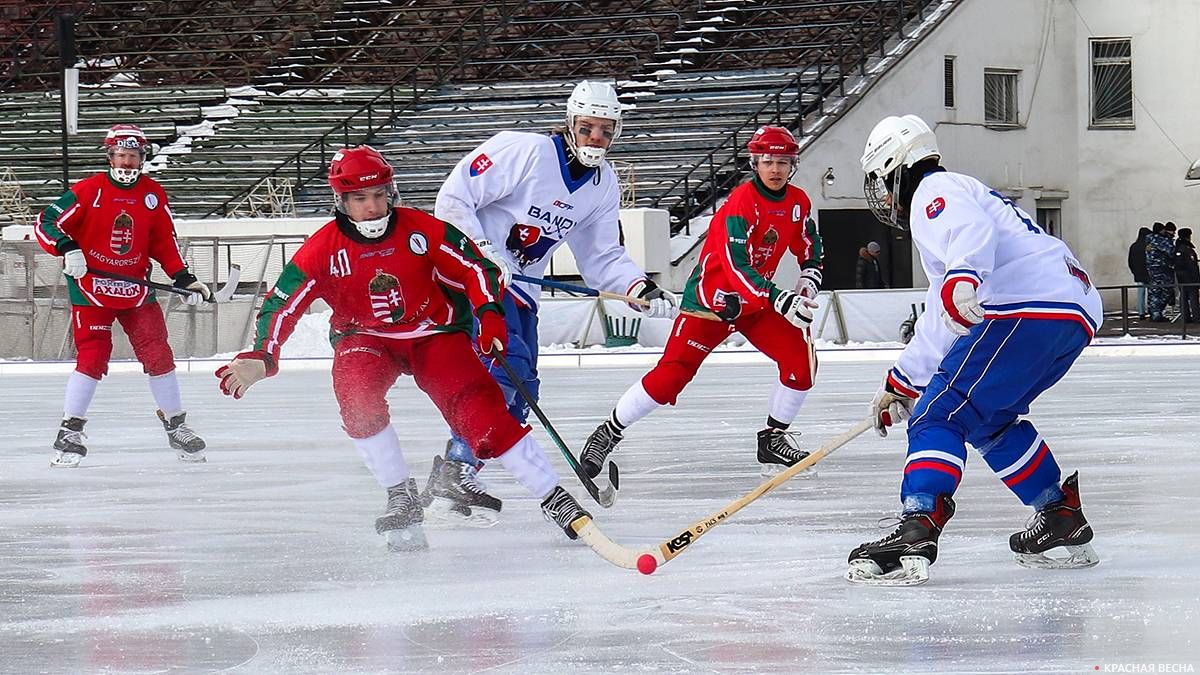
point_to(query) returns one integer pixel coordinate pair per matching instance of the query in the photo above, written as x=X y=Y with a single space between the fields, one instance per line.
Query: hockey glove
x=732 y=309
x=188 y=282
x=795 y=308
x=663 y=303
x=809 y=283
x=244 y=370
x=74 y=263
x=493 y=256
x=960 y=307
x=492 y=328
x=893 y=403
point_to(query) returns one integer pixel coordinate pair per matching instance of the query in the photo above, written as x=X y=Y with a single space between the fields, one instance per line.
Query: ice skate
x=597 y=448
x=455 y=494
x=69 y=444
x=903 y=557
x=777 y=450
x=182 y=438
x=400 y=525
x=1059 y=524
x=562 y=509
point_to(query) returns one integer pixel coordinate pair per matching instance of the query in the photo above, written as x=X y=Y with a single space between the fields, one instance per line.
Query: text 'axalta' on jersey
x=424 y=278
x=745 y=242
x=963 y=229
x=516 y=191
x=120 y=229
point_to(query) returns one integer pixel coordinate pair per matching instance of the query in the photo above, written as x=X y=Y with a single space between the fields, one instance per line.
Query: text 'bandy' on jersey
x=516 y=191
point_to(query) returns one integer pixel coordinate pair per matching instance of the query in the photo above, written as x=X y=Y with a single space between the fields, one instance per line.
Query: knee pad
x=667 y=380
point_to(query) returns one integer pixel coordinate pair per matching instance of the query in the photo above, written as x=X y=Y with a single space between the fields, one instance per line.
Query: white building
x=1085 y=112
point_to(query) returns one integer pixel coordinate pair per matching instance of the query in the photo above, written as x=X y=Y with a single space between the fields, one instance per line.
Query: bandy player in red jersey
x=746 y=240
x=118 y=221
x=405 y=289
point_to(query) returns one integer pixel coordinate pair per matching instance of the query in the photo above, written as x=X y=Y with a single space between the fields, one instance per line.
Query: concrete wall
x=1110 y=181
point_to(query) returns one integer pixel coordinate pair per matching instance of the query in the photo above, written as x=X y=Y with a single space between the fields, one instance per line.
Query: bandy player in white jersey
x=1009 y=309
x=520 y=196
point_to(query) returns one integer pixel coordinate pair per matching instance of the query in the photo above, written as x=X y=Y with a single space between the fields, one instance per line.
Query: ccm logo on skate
x=680 y=542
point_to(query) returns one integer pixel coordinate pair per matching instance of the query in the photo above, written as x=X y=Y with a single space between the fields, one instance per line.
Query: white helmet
x=895 y=143
x=592 y=99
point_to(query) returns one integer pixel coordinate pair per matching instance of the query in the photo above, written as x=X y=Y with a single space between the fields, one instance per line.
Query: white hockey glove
x=244 y=370
x=795 y=308
x=188 y=282
x=960 y=307
x=890 y=406
x=663 y=303
x=490 y=252
x=74 y=263
x=809 y=283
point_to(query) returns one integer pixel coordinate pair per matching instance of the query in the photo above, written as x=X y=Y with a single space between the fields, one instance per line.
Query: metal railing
x=419 y=79
x=775 y=110
x=1132 y=324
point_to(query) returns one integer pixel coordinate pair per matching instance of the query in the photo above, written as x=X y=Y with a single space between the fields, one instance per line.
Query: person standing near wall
x=866 y=272
x=1137 y=267
x=1187 y=272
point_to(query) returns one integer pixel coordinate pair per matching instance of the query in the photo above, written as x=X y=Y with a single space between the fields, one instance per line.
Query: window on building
x=1112 y=82
x=1000 y=97
x=948 y=82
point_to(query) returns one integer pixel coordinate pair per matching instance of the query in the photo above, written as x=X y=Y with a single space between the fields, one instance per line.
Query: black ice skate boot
x=1057 y=524
x=903 y=557
x=562 y=509
x=400 y=524
x=597 y=448
x=777 y=449
x=182 y=438
x=454 y=493
x=69 y=444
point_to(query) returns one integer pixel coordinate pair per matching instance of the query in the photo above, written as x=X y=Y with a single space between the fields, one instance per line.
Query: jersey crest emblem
x=387 y=302
x=935 y=208
x=528 y=244
x=480 y=164
x=771 y=236
x=418 y=243
x=121 y=240
x=150 y=200
x=1076 y=271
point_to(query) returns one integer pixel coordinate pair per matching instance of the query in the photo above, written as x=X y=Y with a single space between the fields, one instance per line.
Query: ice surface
x=265 y=558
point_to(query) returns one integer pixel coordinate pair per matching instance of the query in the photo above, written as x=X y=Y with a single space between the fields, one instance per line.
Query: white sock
x=165 y=389
x=80 y=390
x=784 y=403
x=634 y=404
x=383 y=457
x=530 y=466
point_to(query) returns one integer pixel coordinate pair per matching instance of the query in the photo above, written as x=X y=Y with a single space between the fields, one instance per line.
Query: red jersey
x=745 y=242
x=421 y=278
x=119 y=228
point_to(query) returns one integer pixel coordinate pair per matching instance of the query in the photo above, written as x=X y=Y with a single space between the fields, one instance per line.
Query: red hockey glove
x=244 y=370
x=492 y=328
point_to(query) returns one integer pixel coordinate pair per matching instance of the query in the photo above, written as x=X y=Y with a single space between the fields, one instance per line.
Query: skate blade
x=406 y=540
x=1078 y=557
x=191 y=457
x=69 y=460
x=771 y=470
x=445 y=511
x=913 y=571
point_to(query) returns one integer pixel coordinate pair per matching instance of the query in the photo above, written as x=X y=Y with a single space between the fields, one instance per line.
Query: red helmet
x=357 y=168
x=773 y=141
x=127 y=136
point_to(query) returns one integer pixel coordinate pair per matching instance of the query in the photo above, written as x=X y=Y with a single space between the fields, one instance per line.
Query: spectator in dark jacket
x=867 y=273
x=1137 y=267
x=1160 y=254
x=1187 y=271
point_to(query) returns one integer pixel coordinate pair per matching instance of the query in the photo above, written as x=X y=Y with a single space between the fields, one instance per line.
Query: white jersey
x=965 y=230
x=516 y=191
